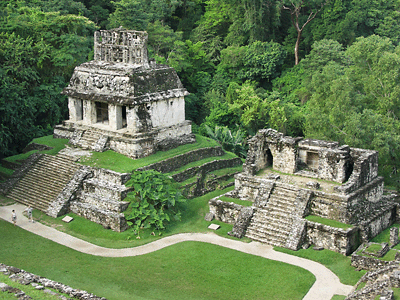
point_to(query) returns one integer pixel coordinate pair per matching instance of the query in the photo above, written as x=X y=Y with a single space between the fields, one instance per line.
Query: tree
x=295 y=8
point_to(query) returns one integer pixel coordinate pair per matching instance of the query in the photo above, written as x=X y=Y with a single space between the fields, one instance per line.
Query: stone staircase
x=44 y=181
x=272 y=223
x=89 y=139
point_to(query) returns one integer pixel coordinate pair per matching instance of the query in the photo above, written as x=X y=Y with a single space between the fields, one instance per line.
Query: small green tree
x=153 y=202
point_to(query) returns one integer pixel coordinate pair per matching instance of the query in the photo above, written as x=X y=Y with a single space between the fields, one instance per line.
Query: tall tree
x=296 y=9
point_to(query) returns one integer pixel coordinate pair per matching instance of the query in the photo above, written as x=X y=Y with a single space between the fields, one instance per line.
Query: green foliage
x=38 y=51
x=153 y=202
x=235 y=142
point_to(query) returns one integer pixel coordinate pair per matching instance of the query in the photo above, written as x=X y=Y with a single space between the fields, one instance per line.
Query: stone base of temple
x=98 y=137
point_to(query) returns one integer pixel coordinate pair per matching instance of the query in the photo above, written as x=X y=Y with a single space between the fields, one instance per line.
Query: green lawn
x=189 y=270
x=337 y=263
x=193 y=212
x=120 y=163
x=328 y=222
x=237 y=201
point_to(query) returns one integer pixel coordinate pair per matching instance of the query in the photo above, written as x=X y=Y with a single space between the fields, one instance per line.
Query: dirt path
x=326 y=285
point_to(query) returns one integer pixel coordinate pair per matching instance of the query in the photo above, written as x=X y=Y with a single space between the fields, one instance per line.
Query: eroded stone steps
x=88 y=139
x=269 y=234
x=43 y=182
x=270 y=240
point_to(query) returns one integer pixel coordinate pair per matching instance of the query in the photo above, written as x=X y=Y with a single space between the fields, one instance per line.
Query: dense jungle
x=325 y=69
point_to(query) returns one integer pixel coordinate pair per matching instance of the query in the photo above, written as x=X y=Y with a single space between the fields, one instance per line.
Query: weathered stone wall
x=176 y=162
x=167 y=112
x=329 y=206
x=110 y=176
x=383 y=216
x=226 y=212
x=365 y=170
x=108 y=219
x=120 y=45
x=207 y=167
x=343 y=241
x=25 y=278
x=369 y=263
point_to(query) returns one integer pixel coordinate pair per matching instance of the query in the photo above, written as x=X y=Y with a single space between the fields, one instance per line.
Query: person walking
x=14 y=217
x=29 y=211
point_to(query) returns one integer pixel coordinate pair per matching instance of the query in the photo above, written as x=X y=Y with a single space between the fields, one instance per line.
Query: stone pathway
x=326 y=285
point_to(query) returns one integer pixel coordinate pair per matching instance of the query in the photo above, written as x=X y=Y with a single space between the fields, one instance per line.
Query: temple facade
x=122 y=102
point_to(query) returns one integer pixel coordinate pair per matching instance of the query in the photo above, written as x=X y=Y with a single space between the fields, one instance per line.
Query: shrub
x=153 y=202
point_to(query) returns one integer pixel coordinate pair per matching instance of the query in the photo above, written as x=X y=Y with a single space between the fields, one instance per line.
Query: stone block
x=214 y=227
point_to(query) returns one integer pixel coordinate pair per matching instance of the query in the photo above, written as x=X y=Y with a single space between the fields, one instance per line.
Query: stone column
x=394 y=236
x=132 y=120
x=115 y=116
x=89 y=112
x=74 y=110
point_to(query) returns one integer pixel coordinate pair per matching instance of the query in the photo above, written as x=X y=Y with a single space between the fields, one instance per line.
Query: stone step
x=103 y=203
x=279 y=227
x=268 y=234
x=43 y=182
x=267 y=240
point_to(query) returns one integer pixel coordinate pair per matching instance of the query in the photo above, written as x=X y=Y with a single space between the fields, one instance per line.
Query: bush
x=153 y=201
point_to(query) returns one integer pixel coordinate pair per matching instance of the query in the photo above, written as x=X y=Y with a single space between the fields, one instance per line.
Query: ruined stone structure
x=122 y=102
x=289 y=178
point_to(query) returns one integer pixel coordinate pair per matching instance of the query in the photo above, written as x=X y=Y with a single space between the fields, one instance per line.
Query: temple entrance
x=312 y=160
x=102 y=112
x=269 y=159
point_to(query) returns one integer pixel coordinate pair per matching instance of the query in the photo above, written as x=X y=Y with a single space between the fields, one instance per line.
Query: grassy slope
x=120 y=163
x=187 y=270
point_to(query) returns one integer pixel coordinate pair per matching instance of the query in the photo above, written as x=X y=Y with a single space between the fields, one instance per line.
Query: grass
x=28 y=289
x=338 y=297
x=57 y=145
x=328 y=222
x=120 y=163
x=235 y=200
x=374 y=248
x=337 y=263
x=227 y=155
x=193 y=212
x=186 y=270
x=384 y=236
x=5 y=201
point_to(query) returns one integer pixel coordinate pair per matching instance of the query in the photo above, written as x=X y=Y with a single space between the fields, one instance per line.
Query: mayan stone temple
x=287 y=179
x=120 y=101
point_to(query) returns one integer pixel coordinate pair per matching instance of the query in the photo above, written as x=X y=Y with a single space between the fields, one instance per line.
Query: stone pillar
x=115 y=116
x=132 y=120
x=75 y=109
x=89 y=112
x=394 y=236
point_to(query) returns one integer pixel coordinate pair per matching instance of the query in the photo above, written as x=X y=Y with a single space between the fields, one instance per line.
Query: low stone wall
x=330 y=206
x=226 y=212
x=111 y=176
x=174 y=163
x=385 y=215
x=207 y=167
x=343 y=241
x=108 y=219
x=361 y=262
x=25 y=278
x=35 y=146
